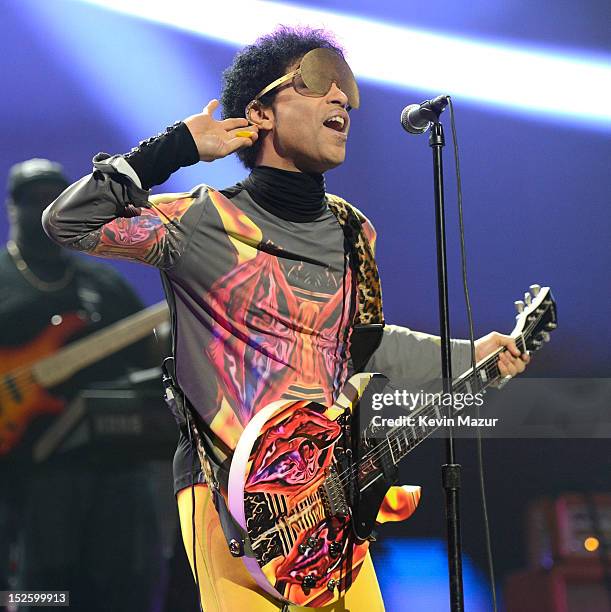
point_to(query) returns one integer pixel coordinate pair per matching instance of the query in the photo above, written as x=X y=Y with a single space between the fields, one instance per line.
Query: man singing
x=259 y=276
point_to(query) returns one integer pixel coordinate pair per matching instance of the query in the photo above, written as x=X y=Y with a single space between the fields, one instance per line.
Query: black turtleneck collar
x=293 y=196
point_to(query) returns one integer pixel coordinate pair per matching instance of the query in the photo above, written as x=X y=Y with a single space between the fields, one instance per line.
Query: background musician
x=84 y=525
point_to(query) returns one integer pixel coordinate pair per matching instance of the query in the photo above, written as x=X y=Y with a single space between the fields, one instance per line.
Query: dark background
x=78 y=79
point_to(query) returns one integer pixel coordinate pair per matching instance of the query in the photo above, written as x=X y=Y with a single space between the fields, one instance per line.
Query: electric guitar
x=27 y=373
x=309 y=503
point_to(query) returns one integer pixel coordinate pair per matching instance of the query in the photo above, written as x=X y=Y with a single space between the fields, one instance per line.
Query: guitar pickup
x=333 y=496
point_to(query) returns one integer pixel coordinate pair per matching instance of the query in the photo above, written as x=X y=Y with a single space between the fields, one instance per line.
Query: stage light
x=561 y=85
x=413 y=575
x=591 y=544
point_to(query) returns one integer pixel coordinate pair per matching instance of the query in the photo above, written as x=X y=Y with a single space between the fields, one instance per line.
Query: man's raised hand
x=216 y=139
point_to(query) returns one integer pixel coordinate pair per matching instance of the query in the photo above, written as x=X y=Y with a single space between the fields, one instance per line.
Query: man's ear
x=260 y=115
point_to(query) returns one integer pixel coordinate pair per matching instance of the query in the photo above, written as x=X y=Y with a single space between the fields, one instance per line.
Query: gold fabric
x=224 y=582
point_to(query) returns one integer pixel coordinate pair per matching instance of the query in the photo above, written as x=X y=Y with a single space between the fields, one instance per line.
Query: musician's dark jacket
x=65 y=514
x=256 y=277
x=97 y=295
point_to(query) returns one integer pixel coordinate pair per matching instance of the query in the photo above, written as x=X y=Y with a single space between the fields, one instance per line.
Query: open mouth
x=336 y=123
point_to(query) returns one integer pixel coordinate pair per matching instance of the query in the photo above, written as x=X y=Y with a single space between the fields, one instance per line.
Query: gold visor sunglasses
x=317 y=72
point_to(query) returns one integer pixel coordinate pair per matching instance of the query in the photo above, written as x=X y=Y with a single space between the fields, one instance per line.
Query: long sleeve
x=410 y=357
x=109 y=214
x=413 y=358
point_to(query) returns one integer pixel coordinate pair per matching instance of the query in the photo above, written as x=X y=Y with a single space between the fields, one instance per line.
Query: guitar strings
x=383 y=449
x=25 y=371
x=490 y=366
x=17 y=375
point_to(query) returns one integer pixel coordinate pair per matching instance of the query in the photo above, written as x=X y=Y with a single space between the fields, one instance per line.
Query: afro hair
x=257 y=65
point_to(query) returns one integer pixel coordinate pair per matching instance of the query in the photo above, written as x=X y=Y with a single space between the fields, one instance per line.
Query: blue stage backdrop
x=530 y=82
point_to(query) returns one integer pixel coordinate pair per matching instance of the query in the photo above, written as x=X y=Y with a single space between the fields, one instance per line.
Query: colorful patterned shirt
x=260 y=305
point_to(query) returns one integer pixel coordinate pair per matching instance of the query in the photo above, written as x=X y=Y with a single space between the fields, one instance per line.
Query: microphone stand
x=451 y=470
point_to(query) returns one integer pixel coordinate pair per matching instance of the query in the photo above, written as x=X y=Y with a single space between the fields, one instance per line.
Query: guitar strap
x=215 y=472
x=368 y=322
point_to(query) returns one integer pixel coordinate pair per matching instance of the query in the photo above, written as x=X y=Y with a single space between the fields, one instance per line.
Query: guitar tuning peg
x=545 y=336
x=534 y=290
x=527 y=298
x=551 y=325
x=519 y=304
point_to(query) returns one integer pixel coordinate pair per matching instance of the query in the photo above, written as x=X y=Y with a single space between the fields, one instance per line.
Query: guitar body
x=21 y=397
x=308 y=483
x=285 y=490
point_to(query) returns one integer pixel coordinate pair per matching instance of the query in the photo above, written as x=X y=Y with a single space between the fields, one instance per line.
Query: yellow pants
x=226 y=585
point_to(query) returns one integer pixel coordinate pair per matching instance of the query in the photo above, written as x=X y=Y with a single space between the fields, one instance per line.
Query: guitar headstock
x=536 y=317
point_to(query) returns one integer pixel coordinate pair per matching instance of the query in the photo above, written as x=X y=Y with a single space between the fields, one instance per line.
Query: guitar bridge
x=333 y=496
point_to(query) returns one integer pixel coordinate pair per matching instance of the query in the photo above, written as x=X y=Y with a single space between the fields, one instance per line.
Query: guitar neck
x=60 y=366
x=399 y=441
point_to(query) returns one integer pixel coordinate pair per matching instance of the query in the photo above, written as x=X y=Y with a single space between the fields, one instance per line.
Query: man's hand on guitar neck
x=511 y=362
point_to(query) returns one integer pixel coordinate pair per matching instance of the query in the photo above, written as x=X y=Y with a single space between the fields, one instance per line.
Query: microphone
x=417 y=118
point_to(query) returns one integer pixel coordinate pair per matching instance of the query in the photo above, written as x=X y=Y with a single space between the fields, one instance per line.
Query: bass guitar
x=28 y=372
x=307 y=486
